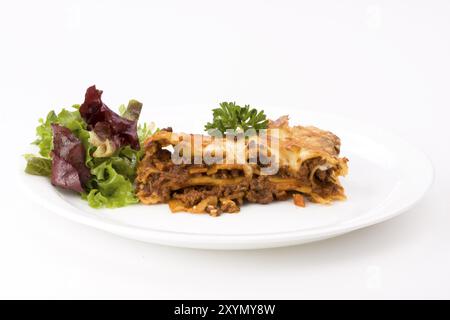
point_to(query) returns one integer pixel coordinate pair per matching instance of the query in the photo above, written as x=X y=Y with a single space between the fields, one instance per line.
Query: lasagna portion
x=307 y=166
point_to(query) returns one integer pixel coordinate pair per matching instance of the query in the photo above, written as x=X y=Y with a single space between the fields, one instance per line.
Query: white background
x=384 y=62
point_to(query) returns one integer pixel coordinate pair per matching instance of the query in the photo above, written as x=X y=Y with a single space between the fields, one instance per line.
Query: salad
x=92 y=150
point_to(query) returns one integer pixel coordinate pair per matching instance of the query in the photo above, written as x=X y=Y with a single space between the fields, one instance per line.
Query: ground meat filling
x=261 y=190
x=230 y=197
x=168 y=183
x=162 y=183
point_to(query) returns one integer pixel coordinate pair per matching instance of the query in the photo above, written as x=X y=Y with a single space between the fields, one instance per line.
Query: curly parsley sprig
x=232 y=116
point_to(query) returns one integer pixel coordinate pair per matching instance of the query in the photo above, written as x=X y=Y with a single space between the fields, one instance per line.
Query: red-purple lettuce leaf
x=106 y=123
x=69 y=170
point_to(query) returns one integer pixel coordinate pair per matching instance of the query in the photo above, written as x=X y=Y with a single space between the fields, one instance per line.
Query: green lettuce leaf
x=38 y=166
x=44 y=133
x=69 y=119
x=109 y=188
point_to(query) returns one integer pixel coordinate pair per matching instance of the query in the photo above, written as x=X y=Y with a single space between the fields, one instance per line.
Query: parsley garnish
x=232 y=116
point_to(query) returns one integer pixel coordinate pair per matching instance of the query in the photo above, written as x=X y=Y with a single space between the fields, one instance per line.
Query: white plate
x=386 y=177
